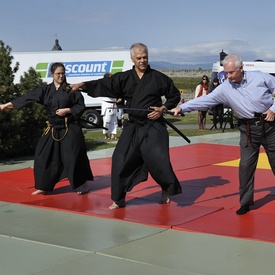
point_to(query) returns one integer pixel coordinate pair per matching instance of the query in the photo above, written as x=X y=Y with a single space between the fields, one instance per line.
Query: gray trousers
x=250 y=147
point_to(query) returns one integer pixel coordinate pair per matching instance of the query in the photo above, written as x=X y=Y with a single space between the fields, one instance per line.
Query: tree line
x=19 y=130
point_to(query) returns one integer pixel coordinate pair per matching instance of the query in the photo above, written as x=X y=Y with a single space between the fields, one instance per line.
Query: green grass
x=95 y=139
x=188 y=83
x=188 y=118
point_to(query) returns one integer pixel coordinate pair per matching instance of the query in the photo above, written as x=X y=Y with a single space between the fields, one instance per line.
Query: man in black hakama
x=144 y=143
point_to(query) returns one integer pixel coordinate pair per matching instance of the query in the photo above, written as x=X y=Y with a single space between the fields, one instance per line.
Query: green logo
x=117 y=66
x=42 y=69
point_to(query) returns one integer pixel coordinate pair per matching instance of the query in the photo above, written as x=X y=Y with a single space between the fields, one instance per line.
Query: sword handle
x=165 y=112
x=168 y=112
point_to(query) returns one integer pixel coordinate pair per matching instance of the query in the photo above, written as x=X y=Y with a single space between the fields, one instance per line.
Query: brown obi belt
x=57 y=125
x=251 y=121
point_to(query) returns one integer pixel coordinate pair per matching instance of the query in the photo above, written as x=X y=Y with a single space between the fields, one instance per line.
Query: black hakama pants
x=67 y=158
x=142 y=148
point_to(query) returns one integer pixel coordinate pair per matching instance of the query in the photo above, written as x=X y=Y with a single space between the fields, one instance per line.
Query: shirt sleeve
x=104 y=87
x=29 y=98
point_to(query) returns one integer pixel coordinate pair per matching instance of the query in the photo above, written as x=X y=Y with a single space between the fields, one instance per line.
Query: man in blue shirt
x=250 y=95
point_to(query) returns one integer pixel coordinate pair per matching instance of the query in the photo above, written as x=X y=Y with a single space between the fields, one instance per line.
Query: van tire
x=92 y=116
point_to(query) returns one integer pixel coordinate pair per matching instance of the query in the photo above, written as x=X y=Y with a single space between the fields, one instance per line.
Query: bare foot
x=115 y=205
x=164 y=198
x=113 y=137
x=38 y=192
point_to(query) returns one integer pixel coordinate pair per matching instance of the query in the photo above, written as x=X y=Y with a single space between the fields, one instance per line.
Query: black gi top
x=138 y=93
x=144 y=144
x=52 y=99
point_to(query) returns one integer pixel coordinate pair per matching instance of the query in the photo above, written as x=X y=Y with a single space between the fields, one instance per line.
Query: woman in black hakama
x=61 y=151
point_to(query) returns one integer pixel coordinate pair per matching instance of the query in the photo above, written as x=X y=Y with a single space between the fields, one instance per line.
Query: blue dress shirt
x=253 y=94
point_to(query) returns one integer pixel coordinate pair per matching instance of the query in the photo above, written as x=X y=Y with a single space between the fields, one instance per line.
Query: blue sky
x=177 y=31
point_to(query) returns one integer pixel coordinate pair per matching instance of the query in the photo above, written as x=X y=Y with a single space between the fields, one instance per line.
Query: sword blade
x=92 y=123
x=177 y=130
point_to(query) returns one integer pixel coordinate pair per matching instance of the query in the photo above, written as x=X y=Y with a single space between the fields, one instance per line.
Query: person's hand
x=75 y=87
x=269 y=115
x=63 y=112
x=6 y=106
x=176 y=111
x=156 y=113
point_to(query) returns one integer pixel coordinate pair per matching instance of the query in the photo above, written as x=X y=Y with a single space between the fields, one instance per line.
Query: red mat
x=208 y=202
x=253 y=225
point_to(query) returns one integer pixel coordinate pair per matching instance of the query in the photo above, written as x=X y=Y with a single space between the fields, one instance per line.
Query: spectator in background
x=109 y=115
x=217 y=110
x=120 y=112
x=202 y=89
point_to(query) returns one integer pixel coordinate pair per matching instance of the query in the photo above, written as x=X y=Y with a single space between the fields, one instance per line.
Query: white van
x=80 y=66
x=258 y=65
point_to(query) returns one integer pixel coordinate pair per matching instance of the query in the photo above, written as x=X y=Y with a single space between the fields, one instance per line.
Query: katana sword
x=164 y=112
x=176 y=130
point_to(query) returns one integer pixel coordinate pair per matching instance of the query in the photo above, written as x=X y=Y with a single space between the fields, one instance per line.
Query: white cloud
x=208 y=52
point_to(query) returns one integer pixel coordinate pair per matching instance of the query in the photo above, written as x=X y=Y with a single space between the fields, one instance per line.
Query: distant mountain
x=162 y=65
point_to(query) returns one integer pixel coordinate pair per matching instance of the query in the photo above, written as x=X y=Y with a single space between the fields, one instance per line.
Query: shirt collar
x=243 y=82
